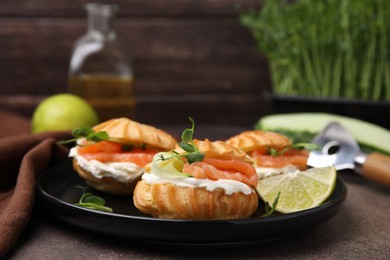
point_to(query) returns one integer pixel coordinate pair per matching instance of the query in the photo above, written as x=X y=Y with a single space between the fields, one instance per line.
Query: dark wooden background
x=191 y=57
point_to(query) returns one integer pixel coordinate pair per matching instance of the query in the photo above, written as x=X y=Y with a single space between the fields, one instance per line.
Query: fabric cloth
x=22 y=158
x=13 y=124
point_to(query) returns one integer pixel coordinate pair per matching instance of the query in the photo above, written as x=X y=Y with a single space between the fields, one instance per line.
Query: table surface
x=360 y=230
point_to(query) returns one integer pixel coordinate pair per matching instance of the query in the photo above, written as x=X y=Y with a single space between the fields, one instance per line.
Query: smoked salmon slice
x=141 y=159
x=215 y=169
x=102 y=146
x=106 y=151
x=295 y=157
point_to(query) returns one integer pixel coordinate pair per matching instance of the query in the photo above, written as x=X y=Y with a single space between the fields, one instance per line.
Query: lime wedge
x=299 y=190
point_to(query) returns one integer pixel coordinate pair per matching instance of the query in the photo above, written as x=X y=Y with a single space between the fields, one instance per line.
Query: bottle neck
x=101 y=19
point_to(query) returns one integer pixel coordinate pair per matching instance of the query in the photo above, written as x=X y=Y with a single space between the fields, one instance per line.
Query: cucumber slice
x=370 y=137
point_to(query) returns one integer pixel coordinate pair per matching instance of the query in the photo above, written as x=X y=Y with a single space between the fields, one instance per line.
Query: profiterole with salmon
x=114 y=163
x=198 y=180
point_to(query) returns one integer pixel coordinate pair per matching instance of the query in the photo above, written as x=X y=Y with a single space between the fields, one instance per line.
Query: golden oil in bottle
x=111 y=96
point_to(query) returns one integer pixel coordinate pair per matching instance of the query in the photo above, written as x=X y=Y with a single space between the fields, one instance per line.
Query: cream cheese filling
x=229 y=186
x=264 y=172
x=120 y=171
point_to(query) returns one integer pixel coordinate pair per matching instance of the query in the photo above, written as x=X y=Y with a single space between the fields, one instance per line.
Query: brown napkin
x=22 y=159
x=13 y=124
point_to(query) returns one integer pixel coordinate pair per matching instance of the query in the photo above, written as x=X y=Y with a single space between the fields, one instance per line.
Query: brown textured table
x=361 y=230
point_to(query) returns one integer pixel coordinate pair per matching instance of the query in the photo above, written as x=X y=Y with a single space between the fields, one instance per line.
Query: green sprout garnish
x=87 y=133
x=300 y=146
x=270 y=210
x=90 y=201
x=192 y=152
x=127 y=147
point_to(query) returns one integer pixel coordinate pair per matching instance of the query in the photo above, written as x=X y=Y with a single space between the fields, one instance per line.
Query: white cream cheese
x=120 y=171
x=264 y=172
x=230 y=186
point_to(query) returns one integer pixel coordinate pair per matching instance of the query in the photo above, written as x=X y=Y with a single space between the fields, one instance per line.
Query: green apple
x=63 y=112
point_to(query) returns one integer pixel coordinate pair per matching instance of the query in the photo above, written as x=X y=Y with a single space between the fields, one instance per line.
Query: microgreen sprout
x=300 y=146
x=127 y=147
x=90 y=201
x=344 y=52
x=270 y=210
x=192 y=152
x=87 y=133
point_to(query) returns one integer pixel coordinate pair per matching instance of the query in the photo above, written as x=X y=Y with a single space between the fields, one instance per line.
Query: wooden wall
x=191 y=57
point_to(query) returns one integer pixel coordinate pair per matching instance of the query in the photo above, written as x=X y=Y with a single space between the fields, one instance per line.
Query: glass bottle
x=100 y=71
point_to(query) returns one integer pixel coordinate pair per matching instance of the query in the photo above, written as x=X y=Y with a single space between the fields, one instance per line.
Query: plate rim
x=256 y=220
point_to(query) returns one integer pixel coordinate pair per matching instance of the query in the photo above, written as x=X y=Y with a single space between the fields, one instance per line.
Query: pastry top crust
x=256 y=139
x=218 y=150
x=129 y=131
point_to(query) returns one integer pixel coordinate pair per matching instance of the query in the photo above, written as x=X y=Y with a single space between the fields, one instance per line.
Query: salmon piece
x=102 y=146
x=141 y=159
x=295 y=157
x=106 y=151
x=215 y=169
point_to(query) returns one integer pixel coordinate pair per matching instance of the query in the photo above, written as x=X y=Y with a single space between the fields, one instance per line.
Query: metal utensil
x=340 y=148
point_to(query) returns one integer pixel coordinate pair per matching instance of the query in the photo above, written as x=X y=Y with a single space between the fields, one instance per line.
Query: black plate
x=57 y=190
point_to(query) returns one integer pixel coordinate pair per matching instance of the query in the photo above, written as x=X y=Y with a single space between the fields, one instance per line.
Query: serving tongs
x=338 y=147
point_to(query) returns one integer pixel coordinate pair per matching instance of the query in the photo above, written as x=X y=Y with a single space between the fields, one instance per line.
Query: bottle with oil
x=100 y=70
